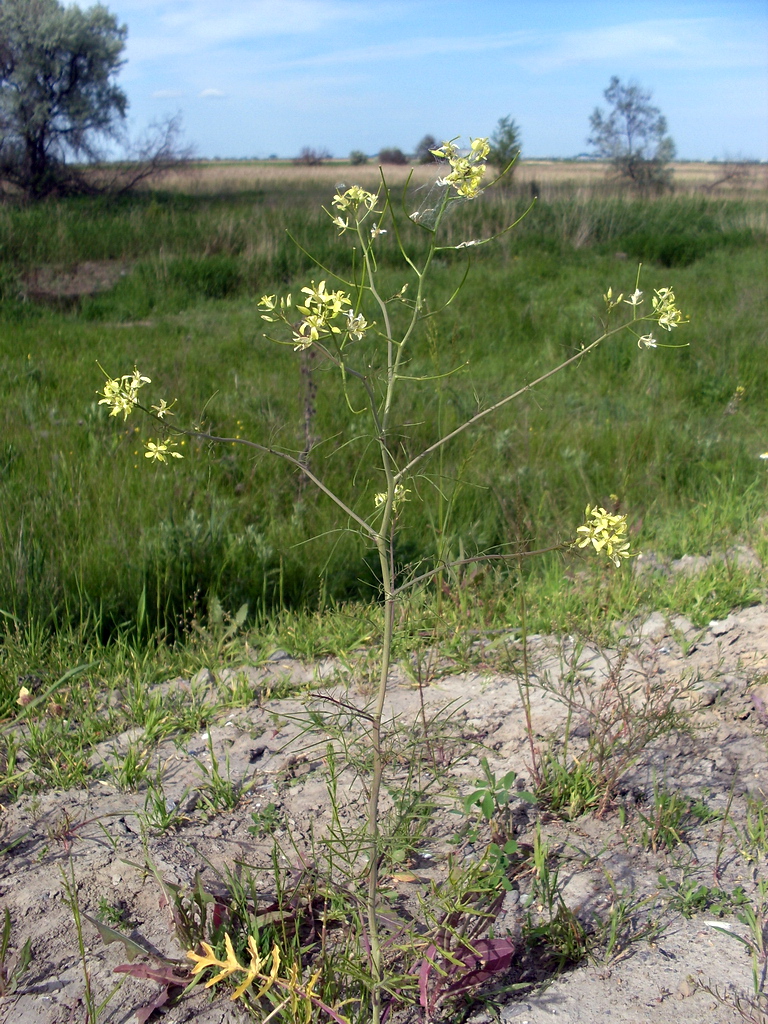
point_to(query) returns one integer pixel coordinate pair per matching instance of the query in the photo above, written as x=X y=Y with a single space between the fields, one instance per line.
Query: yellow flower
x=353 y=198
x=320 y=308
x=25 y=697
x=163 y=409
x=356 y=325
x=446 y=152
x=605 y=532
x=400 y=495
x=161 y=451
x=665 y=310
x=647 y=341
x=466 y=171
x=270 y=304
x=121 y=394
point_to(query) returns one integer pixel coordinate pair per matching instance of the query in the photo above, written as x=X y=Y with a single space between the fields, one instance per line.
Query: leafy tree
x=506 y=144
x=57 y=90
x=358 y=157
x=392 y=155
x=633 y=136
x=424 y=149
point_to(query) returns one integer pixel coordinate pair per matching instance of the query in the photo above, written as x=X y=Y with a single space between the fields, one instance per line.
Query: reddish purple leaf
x=486 y=958
x=143 y=1013
x=491 y=956
x=163 y=975
x=426 y=967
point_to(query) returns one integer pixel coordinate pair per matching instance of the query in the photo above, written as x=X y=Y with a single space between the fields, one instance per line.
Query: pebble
x=719 y=627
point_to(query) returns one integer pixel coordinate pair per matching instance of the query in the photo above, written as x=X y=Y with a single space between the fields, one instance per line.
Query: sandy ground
x=716 y=676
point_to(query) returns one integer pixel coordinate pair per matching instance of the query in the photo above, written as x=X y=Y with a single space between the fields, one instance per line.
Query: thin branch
x=294 y=462
x=471 y=561
x=498 y=405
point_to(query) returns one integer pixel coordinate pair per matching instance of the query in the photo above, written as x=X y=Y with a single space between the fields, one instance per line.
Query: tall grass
x=89 y=530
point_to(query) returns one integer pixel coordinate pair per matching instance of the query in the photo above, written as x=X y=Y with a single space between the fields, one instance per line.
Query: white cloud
x=687 y=43
x=420 y=49
x=190 y=26
x=211 y=94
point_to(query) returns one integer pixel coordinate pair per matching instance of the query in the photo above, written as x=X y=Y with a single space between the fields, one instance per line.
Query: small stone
x=706 y=693
x=654 y=627
x=189 y=803
x=204 y=678
x=279 y=655
x=648 y=562
x=685 y=989
x=691 y=565
x=733 y=682
x=760 y=702
x=744 y=557
x=682 y=625
x=719 y=627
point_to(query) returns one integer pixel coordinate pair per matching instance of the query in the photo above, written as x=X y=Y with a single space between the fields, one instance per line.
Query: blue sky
x=261 y=77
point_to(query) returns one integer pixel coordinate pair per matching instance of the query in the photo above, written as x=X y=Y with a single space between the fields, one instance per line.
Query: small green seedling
x=492 y=797
x=160 y=812
x=265 y=821
x=10 y=976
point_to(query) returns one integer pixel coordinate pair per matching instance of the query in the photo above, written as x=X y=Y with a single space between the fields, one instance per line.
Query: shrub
x=392 y=155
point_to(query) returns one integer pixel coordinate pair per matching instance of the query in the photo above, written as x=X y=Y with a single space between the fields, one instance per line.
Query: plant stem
x=385 y=560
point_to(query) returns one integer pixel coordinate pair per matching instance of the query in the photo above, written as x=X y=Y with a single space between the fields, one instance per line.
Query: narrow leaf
x=132 y=947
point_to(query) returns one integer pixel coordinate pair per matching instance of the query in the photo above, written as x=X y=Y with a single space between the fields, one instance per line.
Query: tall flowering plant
x=352 y=328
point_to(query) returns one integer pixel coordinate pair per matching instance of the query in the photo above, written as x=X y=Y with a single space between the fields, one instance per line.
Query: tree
x=57 y=91
x=506 y=144
x=155 y=153
x=392 y=155
x=633 y=136
x=424 y=149
x=312 y=157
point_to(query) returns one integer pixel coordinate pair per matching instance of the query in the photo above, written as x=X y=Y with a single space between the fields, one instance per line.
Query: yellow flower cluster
x=665 y=310
x=121 y=394
x=400 y=495
x=466 y=171
x=605 y=532
x=320 y=311
x=351 y=201
x=353 y=198
x=161 y=451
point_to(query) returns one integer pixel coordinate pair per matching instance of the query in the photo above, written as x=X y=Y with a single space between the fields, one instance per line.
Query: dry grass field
x=539 y=176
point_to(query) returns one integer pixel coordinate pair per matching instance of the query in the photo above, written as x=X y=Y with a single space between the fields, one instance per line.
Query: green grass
x=104 y=559
x=90 y=533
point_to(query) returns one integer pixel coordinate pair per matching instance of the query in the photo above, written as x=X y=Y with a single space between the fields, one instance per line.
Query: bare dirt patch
x=664 y=957
x=54 y=283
